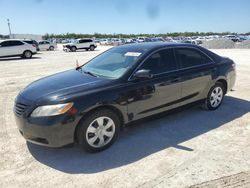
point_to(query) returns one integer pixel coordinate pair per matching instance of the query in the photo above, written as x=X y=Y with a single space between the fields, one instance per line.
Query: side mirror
x=143 y=74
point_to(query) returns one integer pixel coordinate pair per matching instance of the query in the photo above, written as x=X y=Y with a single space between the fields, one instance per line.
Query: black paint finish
x=130 y=98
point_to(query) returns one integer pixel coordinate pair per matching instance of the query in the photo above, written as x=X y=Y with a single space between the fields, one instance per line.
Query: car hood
x=59 y=86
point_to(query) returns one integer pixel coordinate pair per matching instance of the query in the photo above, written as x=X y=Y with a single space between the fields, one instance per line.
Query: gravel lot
x=189 y=148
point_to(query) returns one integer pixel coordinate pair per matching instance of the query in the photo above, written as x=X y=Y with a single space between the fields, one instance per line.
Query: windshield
x=113 y=63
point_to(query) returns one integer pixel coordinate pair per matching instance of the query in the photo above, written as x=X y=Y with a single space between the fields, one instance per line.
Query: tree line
x=121 y=35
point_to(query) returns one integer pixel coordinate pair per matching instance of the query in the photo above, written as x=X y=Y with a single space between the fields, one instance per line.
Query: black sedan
x=89 y=104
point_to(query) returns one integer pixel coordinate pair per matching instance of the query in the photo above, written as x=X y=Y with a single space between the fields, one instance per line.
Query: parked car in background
x=32 y=42
x=14 y=47
x=87 y=44
x=89 y=104
x=46 y=45
x=234 y=38
x=104 y=41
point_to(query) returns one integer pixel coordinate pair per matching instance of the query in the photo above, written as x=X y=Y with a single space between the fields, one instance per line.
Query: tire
x=27 y=54
x=51 y=48
x=215 y=96
x=98 y=130
x=73 y=48
x=92 y=48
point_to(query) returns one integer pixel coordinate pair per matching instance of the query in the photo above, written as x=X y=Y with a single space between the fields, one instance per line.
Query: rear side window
x=5 y=43
x=11 y=43
x=160 y=62
x=191 y=57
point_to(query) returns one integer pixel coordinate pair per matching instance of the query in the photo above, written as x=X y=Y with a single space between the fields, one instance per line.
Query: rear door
x=197 y=71
x=157 y=94
x=4 y=50
x=12 y=47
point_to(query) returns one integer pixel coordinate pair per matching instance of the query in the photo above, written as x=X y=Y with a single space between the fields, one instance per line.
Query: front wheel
x=99 y=130
x=215 y=96
x=73 y=48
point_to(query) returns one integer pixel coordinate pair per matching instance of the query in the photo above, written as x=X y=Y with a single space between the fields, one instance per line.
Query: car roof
x=84 y=39
x=148 y=46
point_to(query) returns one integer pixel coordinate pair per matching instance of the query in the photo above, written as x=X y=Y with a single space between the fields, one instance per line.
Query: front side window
x=191 y=57
x=81 y=41
x=160 y=62
x=113 y=64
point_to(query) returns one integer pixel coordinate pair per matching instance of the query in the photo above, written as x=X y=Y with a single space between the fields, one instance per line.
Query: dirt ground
x=191 y=147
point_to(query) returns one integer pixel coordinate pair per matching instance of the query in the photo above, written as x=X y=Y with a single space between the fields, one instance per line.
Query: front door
x=156 y=94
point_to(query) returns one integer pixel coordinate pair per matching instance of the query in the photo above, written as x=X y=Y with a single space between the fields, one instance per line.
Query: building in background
x=27 y=36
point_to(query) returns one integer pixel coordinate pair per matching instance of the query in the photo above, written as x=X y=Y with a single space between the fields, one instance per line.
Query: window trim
x=146 y=58
x=178 y=66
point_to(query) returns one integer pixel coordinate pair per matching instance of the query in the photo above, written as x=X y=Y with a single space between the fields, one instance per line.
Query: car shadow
x=17 y=58
x=143 y=138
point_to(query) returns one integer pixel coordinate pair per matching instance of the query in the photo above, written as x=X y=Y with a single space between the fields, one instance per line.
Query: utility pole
x=8 y=21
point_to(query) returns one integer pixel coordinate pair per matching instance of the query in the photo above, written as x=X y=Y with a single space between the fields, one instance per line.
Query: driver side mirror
x=143 y=74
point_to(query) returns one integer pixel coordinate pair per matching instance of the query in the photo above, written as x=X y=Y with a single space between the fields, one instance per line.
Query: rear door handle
x=175 y=79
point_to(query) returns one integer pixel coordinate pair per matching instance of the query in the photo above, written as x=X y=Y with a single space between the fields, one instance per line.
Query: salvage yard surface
x=191 y=147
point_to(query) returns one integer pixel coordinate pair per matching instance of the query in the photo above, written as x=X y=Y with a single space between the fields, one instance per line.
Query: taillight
x=34 y=45
x=233 y=65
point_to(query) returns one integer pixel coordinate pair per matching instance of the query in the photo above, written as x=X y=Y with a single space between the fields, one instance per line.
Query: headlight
x=51 y=110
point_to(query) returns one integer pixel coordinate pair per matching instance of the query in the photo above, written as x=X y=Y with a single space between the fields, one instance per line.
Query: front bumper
x=52 y=132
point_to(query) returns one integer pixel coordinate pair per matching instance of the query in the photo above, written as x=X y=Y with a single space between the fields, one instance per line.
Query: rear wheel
x=215 y=96
x=51 y=48
x=98 y=130
x=27 y=54
x=92 y=48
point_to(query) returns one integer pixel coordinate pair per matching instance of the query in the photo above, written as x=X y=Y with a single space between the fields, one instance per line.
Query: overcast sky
x=124 y=16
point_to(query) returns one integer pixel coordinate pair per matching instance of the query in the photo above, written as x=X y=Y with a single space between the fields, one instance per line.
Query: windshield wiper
x=90 y=73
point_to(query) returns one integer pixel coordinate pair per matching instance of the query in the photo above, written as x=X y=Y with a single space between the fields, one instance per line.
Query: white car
x=14 y=47
x=104 y=41
x=46 y=45
x=87 y=44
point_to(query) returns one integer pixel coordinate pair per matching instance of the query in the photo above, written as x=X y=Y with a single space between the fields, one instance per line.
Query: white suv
x=87 y=44
x=14 y=47
x=46 y=45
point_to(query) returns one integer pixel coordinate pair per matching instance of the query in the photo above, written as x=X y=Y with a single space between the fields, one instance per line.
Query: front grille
x=20 y=108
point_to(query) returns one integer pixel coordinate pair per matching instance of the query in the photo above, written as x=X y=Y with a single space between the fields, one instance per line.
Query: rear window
x=28 y=41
